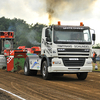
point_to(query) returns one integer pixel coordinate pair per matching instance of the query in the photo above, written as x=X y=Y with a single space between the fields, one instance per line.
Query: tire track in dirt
x=38 y=83
x=64 y=87
x=44 y=92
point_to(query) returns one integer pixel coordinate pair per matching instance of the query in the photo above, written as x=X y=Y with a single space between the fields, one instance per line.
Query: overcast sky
x=69 y=12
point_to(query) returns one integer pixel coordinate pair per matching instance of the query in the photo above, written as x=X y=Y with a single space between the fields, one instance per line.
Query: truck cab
x=66 y=49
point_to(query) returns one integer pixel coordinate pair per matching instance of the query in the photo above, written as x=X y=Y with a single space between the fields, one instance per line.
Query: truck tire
x=82 y=76
x=26 y=67
x=45 y=73
x=27 y=71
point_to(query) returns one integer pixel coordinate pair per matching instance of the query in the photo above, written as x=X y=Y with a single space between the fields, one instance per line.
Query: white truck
x=64 y=50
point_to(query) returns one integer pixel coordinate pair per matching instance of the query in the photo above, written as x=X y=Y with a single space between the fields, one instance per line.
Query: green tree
x=4 y=24
x=97 y=46
x=25 y=34
x=38 y=31
x=2 y=28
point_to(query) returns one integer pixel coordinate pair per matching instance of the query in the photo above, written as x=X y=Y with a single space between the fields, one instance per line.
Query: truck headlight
x=56 y=62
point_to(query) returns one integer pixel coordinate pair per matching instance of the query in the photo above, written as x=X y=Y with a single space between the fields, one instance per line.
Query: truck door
x=48 y=45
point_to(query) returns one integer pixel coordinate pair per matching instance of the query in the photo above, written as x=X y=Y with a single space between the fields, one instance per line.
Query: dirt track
x=67 y=87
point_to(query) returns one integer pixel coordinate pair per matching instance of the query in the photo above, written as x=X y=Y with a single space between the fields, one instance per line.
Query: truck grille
x=73 y=53
x=75 y=50
x=79 y=62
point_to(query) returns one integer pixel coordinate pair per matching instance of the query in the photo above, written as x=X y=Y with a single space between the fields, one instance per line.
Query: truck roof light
x=81 y=24
x=59 y=23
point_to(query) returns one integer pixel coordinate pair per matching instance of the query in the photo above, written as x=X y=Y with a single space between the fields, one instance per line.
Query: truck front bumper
x=64 y=69
x=58 y=66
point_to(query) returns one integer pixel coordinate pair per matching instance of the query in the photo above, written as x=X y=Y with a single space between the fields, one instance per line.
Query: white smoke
x=31 y=37
x=34 y=11
x=68 y=11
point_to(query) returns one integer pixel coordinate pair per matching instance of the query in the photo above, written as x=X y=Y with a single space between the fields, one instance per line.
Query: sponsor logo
x=69 y=46
x=9 y=59
x=35 y=63
x=74 y=46
x=81 y=46
x=73 y=28
x=38 y=67
x=73 y=59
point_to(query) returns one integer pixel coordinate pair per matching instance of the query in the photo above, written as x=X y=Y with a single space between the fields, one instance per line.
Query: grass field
x=98 y=64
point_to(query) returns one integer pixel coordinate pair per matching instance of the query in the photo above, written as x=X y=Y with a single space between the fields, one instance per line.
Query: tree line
x=25 y=34
x=96 y=46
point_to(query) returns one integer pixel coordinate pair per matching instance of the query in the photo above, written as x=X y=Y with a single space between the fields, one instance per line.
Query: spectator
x=94 y=57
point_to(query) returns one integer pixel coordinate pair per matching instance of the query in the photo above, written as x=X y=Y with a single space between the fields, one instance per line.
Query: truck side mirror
x=93 y=37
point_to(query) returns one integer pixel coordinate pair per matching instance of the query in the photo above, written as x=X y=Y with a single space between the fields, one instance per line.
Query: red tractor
x=6 y=44
x=36 y=50
x=32 y=50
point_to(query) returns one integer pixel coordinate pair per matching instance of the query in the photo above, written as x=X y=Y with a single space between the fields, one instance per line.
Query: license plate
x=73 y=59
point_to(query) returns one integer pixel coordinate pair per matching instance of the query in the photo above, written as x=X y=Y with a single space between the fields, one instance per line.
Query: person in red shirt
x=94 y=57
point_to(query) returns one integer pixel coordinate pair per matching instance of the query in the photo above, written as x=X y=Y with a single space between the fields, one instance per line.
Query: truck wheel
x=26 y=67
x=82 y=76
x=45 y=73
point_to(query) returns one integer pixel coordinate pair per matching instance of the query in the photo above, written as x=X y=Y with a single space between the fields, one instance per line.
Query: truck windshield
x=72 y=36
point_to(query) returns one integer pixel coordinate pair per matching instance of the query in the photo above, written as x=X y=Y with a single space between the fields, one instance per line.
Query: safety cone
x=96 y=67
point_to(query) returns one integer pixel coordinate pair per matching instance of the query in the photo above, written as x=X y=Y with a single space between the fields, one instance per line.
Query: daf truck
x=64 y=50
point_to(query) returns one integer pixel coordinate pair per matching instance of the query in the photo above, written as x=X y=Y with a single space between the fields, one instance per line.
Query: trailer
x=15 y=61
